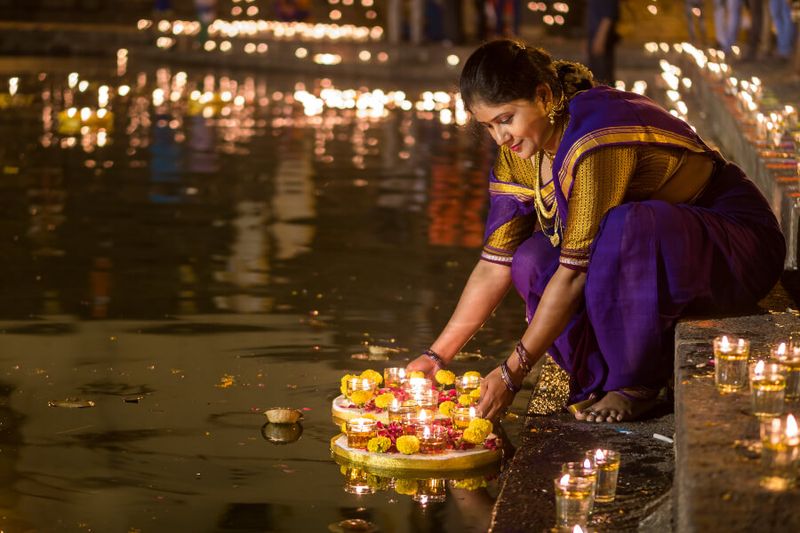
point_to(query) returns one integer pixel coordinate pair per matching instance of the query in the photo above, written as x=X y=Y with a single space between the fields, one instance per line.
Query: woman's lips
x=517 y=147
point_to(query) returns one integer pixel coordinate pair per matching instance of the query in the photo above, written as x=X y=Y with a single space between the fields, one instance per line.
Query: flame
x=423 y=415
x=472 y=412
x=725 y=345
x=426 y=432
x=577 y=529
x=781 y=349
x=759 y=369
x=599 y=455
x=564 y=481
x=587 y=463
x=791 y=427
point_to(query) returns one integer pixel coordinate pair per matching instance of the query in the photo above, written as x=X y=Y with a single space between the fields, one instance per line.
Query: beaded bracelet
x=435 y=357
x=523 y=355
x=505 y=374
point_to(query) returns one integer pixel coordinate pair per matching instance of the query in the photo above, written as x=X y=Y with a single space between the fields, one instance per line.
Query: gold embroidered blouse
x=605 y=178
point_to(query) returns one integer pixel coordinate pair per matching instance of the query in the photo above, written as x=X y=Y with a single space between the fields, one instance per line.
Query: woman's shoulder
x=509 y=167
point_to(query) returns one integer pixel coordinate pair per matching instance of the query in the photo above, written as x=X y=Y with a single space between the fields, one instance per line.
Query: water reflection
x=165 y=231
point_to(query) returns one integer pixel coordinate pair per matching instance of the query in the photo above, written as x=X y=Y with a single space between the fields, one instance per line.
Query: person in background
x=508 y=17
x=756 y=32
x=727 y=21
x=612 y=219
x=694 y=17
x=602 y=17
x=785 y=29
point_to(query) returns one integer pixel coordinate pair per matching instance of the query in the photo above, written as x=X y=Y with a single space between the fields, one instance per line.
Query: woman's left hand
x=495 y=397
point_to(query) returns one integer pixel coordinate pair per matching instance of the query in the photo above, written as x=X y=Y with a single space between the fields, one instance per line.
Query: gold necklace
x=548 y=217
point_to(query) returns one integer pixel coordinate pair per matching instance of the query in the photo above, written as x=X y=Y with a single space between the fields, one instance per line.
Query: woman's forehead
x=484 y=112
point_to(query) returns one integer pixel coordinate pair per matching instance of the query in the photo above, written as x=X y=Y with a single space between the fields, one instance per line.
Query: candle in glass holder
x=768 y=387
x=462 y=416
x=607 y=465
x=788 y=354
x=573 y=500
x=585 y=469
x=730 y=361
x=432 y=438
x=780 y=451
x=467 y=383
x=359 y=431
x=398 y=410
x=430 y=490
x=360 y=390
x=394 y=377
x=426 y=399
x=414 y=419
x=413 y=385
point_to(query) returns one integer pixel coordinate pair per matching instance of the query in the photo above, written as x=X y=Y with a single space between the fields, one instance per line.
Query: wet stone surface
x=527 y=503
x=717 y=465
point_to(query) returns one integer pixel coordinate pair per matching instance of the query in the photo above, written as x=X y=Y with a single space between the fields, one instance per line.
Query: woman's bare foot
x=619 y=406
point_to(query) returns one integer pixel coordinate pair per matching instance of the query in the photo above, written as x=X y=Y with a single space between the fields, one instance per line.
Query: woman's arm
x=483 y=291
x=561 y=299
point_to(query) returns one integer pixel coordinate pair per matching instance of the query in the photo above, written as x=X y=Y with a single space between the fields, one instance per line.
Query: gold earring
x=551 y=115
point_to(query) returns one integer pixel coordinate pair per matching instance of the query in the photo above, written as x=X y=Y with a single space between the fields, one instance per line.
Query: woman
x=611 y=218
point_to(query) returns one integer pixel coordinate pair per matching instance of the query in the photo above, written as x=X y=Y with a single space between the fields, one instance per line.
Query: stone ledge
x=717 y=482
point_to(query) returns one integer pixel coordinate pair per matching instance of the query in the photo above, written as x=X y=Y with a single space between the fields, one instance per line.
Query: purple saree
x=651 y=261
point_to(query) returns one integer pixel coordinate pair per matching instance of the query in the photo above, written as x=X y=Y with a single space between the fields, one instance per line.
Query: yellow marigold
x=405 y=486
x=475 y=394
x=445 y=377
x=343 y=384
x=382 y=401
x=407 y=444
x=465 y=400
x=377 y=377
x=473 y=373
x=379 y=444
x=473 y=483
x=473 y=435
x=416 y=374
x=446 y=408
x=360 y=397
x=481 y=424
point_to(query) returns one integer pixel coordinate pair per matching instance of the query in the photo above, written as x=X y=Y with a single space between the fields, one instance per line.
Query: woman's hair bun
x=573 y=77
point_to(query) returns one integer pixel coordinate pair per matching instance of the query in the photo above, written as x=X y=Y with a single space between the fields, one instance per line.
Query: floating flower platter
x=448 y=461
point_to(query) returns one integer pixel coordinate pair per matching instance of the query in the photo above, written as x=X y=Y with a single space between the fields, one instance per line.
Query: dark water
x=202 y=262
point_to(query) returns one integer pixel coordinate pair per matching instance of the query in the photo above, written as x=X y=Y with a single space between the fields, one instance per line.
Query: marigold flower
x=407 y=487
x=446 y=408
x=465 y=400
x=475 y=394
x=343 y=386
x=473 y=435
x=360 y=397
x=482 y=425
x=372 y=375
x=382 y=401
x=407 y=444
x=416 y=374
x=379 y=444
x=445 y=377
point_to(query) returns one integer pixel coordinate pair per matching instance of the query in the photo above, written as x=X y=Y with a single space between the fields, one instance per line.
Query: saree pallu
x=651 y=263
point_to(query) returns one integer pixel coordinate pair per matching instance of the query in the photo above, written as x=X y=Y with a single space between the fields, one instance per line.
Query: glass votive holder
x=426 y=399
x=414 y=419
x=730 y=363
x=394 y=377
x=359 y=431
x=788 y=354
x=430 y=491
x=414 y=385
x=607 y=464
x=467 y=383
x=360 y=390
x=432 y=438
x=574 y=500
x=768 y=387
x=585 y=469
x=398 y=410
x=462 y=416
x=780 y=452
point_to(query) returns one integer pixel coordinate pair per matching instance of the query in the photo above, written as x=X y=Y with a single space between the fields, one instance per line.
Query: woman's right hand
x=425 y=364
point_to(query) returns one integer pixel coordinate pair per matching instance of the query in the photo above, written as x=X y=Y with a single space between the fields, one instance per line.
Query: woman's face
x=522 y=125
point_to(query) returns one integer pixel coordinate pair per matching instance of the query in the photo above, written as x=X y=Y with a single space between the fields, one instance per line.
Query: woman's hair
x=505 y=70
